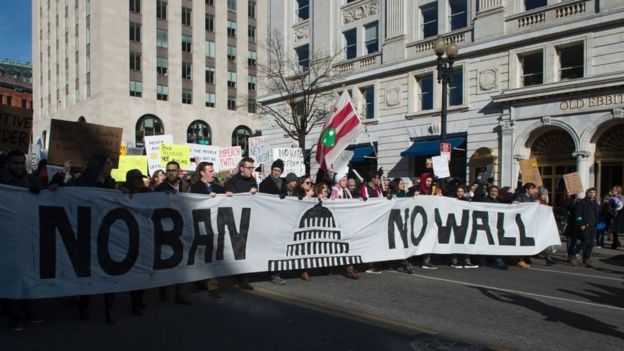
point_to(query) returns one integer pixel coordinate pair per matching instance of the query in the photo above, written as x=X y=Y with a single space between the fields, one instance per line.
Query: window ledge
x=370 y=120
x=436 y=112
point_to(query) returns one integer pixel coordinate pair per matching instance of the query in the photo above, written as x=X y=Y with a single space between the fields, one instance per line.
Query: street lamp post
x=445 y=71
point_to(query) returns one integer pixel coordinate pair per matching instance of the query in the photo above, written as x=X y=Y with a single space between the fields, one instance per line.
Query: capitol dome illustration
x=316 y=243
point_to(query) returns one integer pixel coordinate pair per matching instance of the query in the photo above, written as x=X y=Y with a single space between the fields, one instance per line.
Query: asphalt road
x=557 y=307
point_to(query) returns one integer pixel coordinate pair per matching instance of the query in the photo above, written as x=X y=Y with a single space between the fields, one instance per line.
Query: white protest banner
x=440 y=167
x=293 y=160
x=152 y=150
x=84 y=241
x=229 y=157
x=204 y=153
x=259 y=150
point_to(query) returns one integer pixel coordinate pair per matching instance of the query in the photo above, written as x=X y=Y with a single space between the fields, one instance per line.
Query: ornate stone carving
x=301 y=33
x=356 y=13
x=487 y=79
x=393 y=96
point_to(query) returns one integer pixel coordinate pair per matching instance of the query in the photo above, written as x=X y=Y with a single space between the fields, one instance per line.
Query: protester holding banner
x=353 y=186
x=427 y=187
x=371 y=186
x=340 y=189
x=291 y=184
x=305 y=189
x=455 y=258
x=398 y=188
x=586 y=212
x=173 y=183
x=14 y=173
x=528 y=193
x=157 y=178
x=274 y=184
x=493 y=197
x=321 y=191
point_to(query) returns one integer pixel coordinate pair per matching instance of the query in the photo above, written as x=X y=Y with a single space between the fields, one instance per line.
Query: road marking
x=519 y=292
x=579 y=274
x=342 y=312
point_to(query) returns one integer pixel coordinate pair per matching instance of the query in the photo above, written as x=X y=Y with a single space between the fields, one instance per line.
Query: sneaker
x=31 y=318
x=454 y=265
x=278 y=280
x=572 y=260
x=16 y=325
x=588 y=264
x=373 y=270
x=471 y=266
x=428 y=266
x=523 y=265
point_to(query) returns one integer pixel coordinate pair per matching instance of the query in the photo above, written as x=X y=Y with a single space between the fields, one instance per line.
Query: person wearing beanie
x=291 y=184
x=340 y=189
x=274 y=184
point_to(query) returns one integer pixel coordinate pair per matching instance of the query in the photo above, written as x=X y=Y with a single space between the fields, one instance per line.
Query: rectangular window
x=136 y=88
x=187 y=70
x=251 y=58
x=162 y=92
x=210 y=49
x=186 y=16
x=135 y=61
x=211 y=100
x=425 y=83
x=303 y=57
x=368 y=94
x=459 y=14
x=231 y=103
x=350 y=38
x=429 y=17
x=251 y=84
x=231 y=53
x=135 y=32
x=231 y=29
x=162 y=65
x=251 y=9
x=161 y=9
x=135 y=6
x=533 y=4
x=252 y=107
x=571 y=62
x=231 y=79
x=532 y=66
x=209 y=2
x=162 y=38
x=231 y=5
x=303 y=9
x=251 y=32
x=187 y=97
x=187 y=43
x=209 y=23
x=210 y=75
x=372 y=42
x=456 y=88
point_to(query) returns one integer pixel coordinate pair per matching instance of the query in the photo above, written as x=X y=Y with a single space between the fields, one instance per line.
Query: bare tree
x=297 y=89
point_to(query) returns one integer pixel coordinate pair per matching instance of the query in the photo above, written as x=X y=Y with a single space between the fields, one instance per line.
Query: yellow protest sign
x=127 y=163
x=172 y=152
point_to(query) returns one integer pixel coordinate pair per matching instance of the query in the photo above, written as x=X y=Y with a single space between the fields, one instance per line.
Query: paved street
x=546 y=308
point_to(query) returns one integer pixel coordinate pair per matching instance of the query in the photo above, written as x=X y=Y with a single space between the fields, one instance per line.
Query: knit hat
x=278 y=164
x=134 y=174
x=291 y=177
x=341 y=173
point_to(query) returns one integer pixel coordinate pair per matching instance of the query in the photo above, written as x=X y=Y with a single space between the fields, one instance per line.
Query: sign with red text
x=229 y=157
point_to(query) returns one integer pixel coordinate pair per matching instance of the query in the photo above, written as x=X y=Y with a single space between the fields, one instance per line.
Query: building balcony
x=549 y=15
x=425 y=47
x=359 y=63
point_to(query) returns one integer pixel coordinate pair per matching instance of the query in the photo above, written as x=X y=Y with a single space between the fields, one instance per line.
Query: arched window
x=147 y=125
x=199 y=132
x=239 y=138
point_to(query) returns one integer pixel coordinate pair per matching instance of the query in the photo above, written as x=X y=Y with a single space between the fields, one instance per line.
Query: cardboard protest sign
x=229 y=157
x=172 y=152
x=127 y=163
x=152 y=150
x=441 y=166
x=15 y=128
x=204 y=153
x=529 y=171
x=259 y=150
x=78 y=141
x=573 y=183
x=293 y=160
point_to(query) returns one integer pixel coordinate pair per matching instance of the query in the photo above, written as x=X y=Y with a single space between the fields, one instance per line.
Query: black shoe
x=550 y=261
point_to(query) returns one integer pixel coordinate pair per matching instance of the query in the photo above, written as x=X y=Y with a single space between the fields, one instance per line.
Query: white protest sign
x=293 y=160
x=153 y=152
x=441 y=167
x=229 y=157
x=259 y=150
x=205 y=153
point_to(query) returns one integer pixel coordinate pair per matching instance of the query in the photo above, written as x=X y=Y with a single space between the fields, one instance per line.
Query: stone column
x=394 y=43
x=582 y=167
x=507 y=163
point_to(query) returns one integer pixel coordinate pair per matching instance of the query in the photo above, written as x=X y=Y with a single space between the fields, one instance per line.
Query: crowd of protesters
x=588 y=221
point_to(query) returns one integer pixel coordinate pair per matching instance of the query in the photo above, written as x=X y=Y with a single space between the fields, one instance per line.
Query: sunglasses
x=172 y=170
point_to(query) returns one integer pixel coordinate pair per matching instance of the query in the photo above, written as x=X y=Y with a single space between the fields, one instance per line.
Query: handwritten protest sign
x=172 y=152
x=127 y=163
x=152 y=150
x=78 y=141
x=441 y=166
x=573 y=183
x=204 y=153
x=229 y=157
x=15 y=128
x=293 y=160
x=529 y=171
x=259 y=150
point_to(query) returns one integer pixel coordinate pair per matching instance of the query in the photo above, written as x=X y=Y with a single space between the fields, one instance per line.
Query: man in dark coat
x=274 y=184
x=586 y=212
x=207 y=185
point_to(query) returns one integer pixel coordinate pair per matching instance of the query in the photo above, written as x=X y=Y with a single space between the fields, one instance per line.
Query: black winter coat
x=586 y=212
x=239 y=184
x=200 y=187
x=268 y=186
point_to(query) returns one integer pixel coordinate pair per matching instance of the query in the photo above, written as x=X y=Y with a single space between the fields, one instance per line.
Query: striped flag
x=340 y=130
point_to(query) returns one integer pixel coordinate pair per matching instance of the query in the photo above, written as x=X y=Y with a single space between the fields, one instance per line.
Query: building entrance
x=609 y=158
